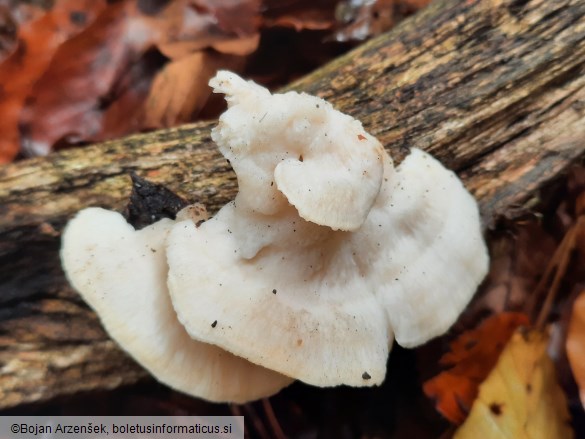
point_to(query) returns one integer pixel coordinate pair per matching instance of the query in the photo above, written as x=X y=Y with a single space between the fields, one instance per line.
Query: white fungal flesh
x=327 y=253
x=327 y=250
x=320 y=160
x=122 y=273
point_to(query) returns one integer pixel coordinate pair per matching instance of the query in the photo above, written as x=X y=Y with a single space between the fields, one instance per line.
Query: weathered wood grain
x=495 y=89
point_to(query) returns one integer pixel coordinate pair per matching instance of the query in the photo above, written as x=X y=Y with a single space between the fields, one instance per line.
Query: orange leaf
x=240 y=46
x=98 y=82
x=180 y=89
x=239 y=17
x=473 y=355
x=12 y=16
x=311 y=19
x=232 y=46
x=38 y=41
x=70 y=97
x=576 y=344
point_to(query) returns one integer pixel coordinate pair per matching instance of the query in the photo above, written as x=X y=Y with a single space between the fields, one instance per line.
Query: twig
x=272 y=420
x=560 y=261
x=256 y=421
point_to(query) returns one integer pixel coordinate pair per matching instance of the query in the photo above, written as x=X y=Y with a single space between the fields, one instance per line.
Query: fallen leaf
x=520 y=398
x=472 y=356
x=71 y=96
x=358 y=20
x=8 y=28
x=241 y=46
x=361 y=19
x=85 y=95
x=576 y=344
x=308 y=19
x=125 y=112
x=180 y=89
x=239 y=17
x=187 y=26
x=236 y=46
x=37 y=42
x=13 y=15
x=519 y=255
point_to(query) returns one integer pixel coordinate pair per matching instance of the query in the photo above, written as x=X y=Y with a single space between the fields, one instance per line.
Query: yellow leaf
x=520 y=399
x=472 y=356
x=576 y=344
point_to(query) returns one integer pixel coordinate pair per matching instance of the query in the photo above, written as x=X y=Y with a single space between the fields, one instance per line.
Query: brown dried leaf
x=519 y=256
x=241 y=46
x=361 y=20
x=309 y=19
x=38 y=41
x=70 y=98
x=180 y=89
x=238 y=17
x=234 y=46
x=85 y=93
x=299 y=14
x=14 y=14
x=125 y=114
x=358 y=20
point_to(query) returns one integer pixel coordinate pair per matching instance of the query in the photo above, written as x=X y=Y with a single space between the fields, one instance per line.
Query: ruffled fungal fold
x=328 y=252
x=295 y=148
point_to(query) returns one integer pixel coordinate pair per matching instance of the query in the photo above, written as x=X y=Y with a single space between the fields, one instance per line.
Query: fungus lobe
x=360 y=252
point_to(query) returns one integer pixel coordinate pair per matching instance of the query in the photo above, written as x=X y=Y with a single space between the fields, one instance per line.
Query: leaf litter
x=520 y=398
x=537 y=264
x=86 y=71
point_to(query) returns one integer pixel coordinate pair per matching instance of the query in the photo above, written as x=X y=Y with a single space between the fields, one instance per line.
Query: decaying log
x=495 y=89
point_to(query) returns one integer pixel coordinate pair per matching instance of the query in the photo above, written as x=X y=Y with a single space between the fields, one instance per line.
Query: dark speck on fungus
x=214 y=324
x=366 y=376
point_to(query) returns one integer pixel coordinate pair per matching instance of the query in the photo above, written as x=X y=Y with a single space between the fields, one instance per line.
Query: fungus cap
x=324 y=163
x=121 y=273
x=328 y=251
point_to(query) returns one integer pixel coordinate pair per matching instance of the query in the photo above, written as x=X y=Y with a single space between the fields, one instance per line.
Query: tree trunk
x=494 y=89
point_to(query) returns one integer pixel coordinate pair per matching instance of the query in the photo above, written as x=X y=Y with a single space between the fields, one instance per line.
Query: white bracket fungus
x=121 y=273
x=326 y=255
x=328 y=252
